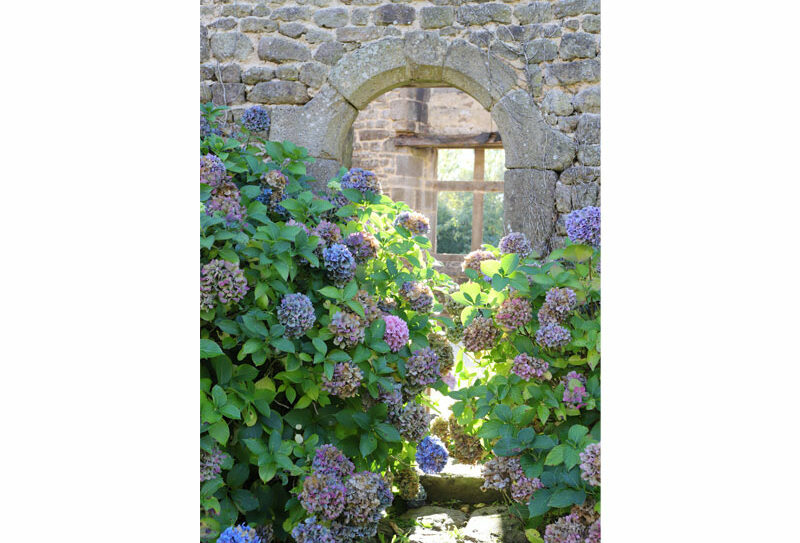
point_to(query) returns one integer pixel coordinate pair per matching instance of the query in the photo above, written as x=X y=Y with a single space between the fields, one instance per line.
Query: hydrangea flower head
x=328 y=233
x=225 y=199
x=206 y=129
x=330 y=460
x=422 y=367
x=212 y=170
x=363 y=245
x=363 y=498
x=561 y=301
x=361 y=180
x=567 y=529
x=480 y=335
x=396 y=332
x=345 y=381
x=516 y=242
x=221 y=282
x=211 y=464
x=553 y=336
x=441 y=346
x=528 y=367
x=473 y=260
x=323 y=494
x=414 y=222
x=296 y=313
x=256 y=119
x=574 y=394
x=311 y=531
x=505 y=472
x=347 y=328
x=407 y=482
x=418 y=295
x=413 y=422
x=369 y=305
x=583 y=226
x=513 y=313
x=590 y=464
x=339 y=263
x=239 y=534
x=431 y=455
x=593 y=533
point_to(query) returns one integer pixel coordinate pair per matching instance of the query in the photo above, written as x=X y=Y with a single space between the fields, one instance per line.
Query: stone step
x=434 y=524
x=459 y=482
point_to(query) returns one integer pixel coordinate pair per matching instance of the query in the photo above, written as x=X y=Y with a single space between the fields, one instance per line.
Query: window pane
x=454 y=222
x=455 y=164
x=492 y=217
x=495 y=165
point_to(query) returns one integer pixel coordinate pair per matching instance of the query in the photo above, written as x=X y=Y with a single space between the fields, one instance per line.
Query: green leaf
x=219 y=396
x=362 y=419
x=566 y=497
x=367 y=444
x=538 y=505
x=220 y=432
x=229 y=255
x=244 y=500
x=255 y=326
x=209 y=348
x=388 y=432
x=319 y=345
x=282 y=344
x=571 y=457
x=577 y=253
x=330 y=292
x=555 y=456
x=490 y=267
x=577 y=432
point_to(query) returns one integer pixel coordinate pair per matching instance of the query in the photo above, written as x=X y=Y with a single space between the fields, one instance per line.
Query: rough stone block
x=481 y=14
x=226 y=23
x=360 y=16
x=358 y=34
x=204 y=52
x=438 y=519
x=484 y=77
x=258 y=24
x=577 y=45
x=323 y=170
x=527 y=140
x=541 y=50
x=293 y=29
x=313 y=74
x=425 y=52
x=436 y=16
x=205 y=93
x=589 y=155
x=563 y=198
x=291 y=13
x=207 y=72
x=277 y=49
x=227 y=93
x=236 y=10
x=579 y=174
x=329 y=52
x=529 y=207
x=331 y=17
x=571 y=24
x=588 y=100
x=231 y=73
x=279 y=92
x=578 y=71
x=315 y=35
x=571 y=8
x=261 y=10
x=557 y=102
x=551 y=30
x=535 y=12
x=394 y=14
x=493 y=524
x=257 y=74
x=370 y=71
x=287 y=72
x=584 y=194
x=231 y=46
x=588 y=129
x=591 y=23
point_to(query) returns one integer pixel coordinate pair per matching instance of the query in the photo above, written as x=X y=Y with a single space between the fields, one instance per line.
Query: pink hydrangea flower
x=396 y=333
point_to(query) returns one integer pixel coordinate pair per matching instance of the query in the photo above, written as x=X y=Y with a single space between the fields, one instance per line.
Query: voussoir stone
x=588 y=100
x=278 y=92
x=231 y=46
x=528 y=141
x=436 y=16
x=484 y=77
x=577 y=45
x=331 y=17
x=278 y=49
x=535 y=12
x=394 y=14
x=481 y=14
x=425 y=52
x=577 y=71
x=370 y=70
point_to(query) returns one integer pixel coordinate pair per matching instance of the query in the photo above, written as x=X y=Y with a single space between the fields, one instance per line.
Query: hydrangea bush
x=316 y=308
x=532 y=325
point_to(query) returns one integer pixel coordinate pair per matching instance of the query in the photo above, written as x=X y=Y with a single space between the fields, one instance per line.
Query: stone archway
x=534 y=151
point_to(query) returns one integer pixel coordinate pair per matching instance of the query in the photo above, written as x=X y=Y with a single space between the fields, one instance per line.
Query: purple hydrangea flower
x=513 y=313
x=593 y=534
x=480 y=335
x=418 y=295
x=323 y=494
x=361 y=180
x=345 y=381
x=339 y=263
x=347 y=328
x=363 y=245
x=330 y=460
x=431 y=455
x=450 y=380
x=239 y=534
x=311 y=531
x=225 y=199
x=422 y=367
x=583 y=226
x=211 y=463
x=574 y=394
x=256 y=119
x=505 y=472
x=396 y=332
x=413 y=422
x=414 y=222
x=296 y=313
x=363 y=503
x=206 y=129
x=265 y=532
x=212 y=170
x=567 y=529
x=590 y=464
x=328 y=233
x=561 y=302
x=553 y=336
x=221 y=282
x=516 y=242
x=528 y=367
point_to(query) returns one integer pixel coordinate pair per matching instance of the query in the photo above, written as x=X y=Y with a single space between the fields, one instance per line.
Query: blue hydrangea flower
x=256 y=119
x=296 y=313
x=239 y=534
x=361 y=180
x=330 y=460
x=422 y=367
x=339 y=263
x=206 y=129
x=553 y=336
x=431 y=455
x=583 y=226
x=311 y=531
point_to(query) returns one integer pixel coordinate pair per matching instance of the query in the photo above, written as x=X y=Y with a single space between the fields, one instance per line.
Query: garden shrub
x=316 y=311
x=533 y=328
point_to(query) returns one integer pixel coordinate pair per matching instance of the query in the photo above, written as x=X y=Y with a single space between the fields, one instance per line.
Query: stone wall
x=535 y=66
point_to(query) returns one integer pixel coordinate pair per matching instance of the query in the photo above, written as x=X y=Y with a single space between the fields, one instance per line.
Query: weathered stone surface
x=557 y=102
x=293 y=29
x=588 y=129
x=358 y=34
x=535 y=12
x=313 y=74
x=584 y=194
x=261 y=10
x=540 y=50
x=204 y=53
x=568 y=124
x=287 y=72
x=205 y=93
x=481 y=38
x=236 y=10
x=527 y=140
x=257 y=74
x=394 y=14
x=550 y=30
x=207 y=72
x=258 y=24
x=291 y=13
x=577 y=71
x=571 y=8
x=535 y=80
x=589 y=155
x=436 y=16
x=278 y=92
x=572 y=24
x=225 y=23
x=331 y=17
x=579 y=174
x=231 y=46
x=484 y=77
x=315 y=35
x=591 y=23
x=440 y=519
x=329 y=52
x=588 y=100
x=445 y=487
x=231 y=73
x=227 y=93
x=371 y=70
x=360 y=16
x=563 y=198
x=483 y=13
x=323 y=170
x=577 y=45
x=493 y=525
x=321 y=126
x=529 y=204
x=425 y=52
x=277 y=49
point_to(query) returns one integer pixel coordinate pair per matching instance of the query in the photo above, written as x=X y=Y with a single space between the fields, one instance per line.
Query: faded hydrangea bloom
x=361 y=180
x=239 y=534
x=473 y=260
x=452 y=307
x=328 y=233
x=363 y=245
x=256 y=119
x=211 y=464
x=561 y=301
x=273 y=191
x=338 y=200
x=225 y=199
x=296 y=313
x=441 y=429
x=480 y=335
x=505 y=472
x=370 y=306
x=574 y=390
x=362 y=499
x=396 y=332
x=456 y=333
x=347 y=328
x=212 y=170
x=513 y=313
x=323 y=494
x=407 y=482
x=515 y=242
x=311 y=531
x=553 y=336
x=418 y=295
x=345 y=382
x=414 y=222
x=387 y=305
x=221 y=282
x=330 y=460
x=567 y=529
x=583 y=226
x=528 y=367
x=466 y=449
x=422 y=367
x=413 y=422
x=339 y=263
x=441 y=346
x=450 y=380
x=590 y=464
x=431 y=455
x=593 y=533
